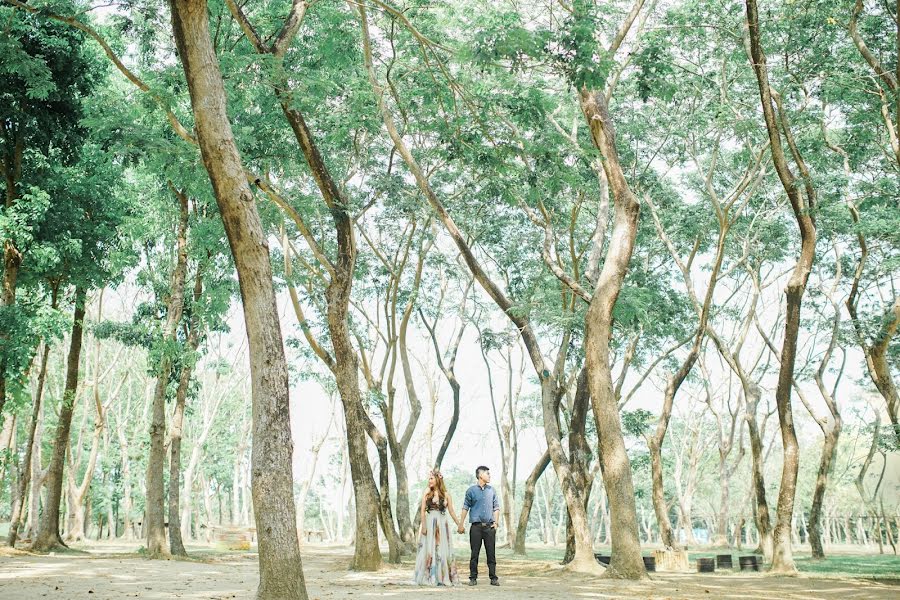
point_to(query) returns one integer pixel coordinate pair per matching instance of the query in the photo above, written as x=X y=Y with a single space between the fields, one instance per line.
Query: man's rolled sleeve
x=496 y=502
x=468 y=501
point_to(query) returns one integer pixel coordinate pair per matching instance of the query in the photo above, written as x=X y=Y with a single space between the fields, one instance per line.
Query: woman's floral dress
x=435 y=564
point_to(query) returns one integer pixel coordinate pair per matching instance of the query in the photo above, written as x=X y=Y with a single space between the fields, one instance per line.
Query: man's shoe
x=495 y=582
x=473 y=582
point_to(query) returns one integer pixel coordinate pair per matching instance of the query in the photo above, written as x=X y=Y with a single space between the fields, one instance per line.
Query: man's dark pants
x=478 y=533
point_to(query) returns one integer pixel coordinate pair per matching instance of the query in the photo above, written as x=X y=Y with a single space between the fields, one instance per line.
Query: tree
x=48 y=71
x=281 y=572
x=803 y=204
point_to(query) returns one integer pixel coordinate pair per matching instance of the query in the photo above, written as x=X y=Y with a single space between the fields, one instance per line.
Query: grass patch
x=531 y=553
x=871 y=565
x=877 y=566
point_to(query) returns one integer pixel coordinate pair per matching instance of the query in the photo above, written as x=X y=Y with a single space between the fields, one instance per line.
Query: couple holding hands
x=435 y=564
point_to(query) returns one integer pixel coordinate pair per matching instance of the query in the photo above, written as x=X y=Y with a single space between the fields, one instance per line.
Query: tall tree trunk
x=579 y=454
x=155 y=510
x=12 y=257
x=626 y=561
x=782 y=560
x=48 y=536
x=280 y=566
x=176 y=545
x=344 y=363
x=398 y=460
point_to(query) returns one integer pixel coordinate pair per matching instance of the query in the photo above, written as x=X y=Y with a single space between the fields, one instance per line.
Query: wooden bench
x=309 y=534
x=233 y=538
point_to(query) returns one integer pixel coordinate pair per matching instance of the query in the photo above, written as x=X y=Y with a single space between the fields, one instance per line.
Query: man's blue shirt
x=481 y=504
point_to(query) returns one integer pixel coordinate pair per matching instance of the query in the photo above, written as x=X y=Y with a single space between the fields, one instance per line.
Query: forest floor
x=107 y=571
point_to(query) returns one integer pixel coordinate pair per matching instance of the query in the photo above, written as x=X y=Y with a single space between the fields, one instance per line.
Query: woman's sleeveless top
x=440 y=505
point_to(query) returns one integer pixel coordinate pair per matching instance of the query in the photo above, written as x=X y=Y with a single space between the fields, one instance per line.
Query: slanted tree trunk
x=280 y=566
x=127 y=525
x=447 y=365
x=830 y=430
x=802 y=208
x=210 y=409
x=876 y=351
x=725 y=443
x=25 y=472
x=48 y=536
x=407 y=529
x=550 y=386
x=75 y=526
x=155 y=510
x=528 y=502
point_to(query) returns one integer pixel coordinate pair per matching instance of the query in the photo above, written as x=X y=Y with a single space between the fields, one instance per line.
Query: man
x=484 y=513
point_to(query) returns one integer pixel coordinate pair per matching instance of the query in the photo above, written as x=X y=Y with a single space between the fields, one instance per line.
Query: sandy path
x=105 y=574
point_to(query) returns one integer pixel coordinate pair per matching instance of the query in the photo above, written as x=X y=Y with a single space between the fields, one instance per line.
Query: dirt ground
x=107 y=572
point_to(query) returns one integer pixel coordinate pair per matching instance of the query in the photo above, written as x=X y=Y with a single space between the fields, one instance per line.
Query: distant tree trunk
x=280 y=566
x=78 y=519
x=155 y=511
x=9 y=451
x=831 y=432
x=176 y=545
x=127 y=525
x=48 y=536
x=761 y=505
x=38 y=477
x=447 y=365
x=505 y=488
x=528 y=501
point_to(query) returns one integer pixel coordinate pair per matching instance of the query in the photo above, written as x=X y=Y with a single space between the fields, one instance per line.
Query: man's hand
x=460 y=529
x=494 y=525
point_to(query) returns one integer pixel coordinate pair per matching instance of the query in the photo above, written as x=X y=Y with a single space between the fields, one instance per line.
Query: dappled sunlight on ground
x=113 y=571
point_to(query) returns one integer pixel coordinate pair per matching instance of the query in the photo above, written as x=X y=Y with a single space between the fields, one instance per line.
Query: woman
x=435 y=564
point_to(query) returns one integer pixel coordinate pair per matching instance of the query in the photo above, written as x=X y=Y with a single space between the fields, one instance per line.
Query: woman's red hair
x=438 y=486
